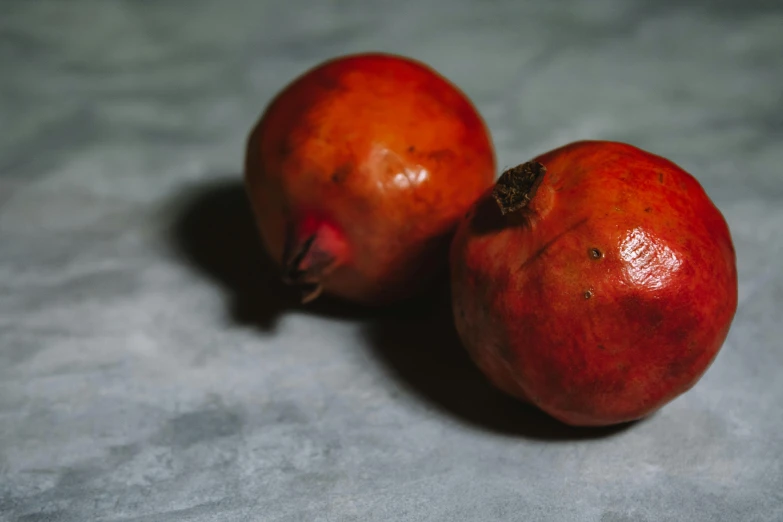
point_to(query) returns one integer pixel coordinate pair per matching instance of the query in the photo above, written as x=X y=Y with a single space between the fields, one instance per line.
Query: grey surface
x=150 y=370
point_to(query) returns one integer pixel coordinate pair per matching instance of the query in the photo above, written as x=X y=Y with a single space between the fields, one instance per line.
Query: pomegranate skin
x=359 y=171
x=605 y=297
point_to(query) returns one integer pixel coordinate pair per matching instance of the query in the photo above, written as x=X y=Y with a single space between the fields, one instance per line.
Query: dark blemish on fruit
x=678 y=367
x=682 y=332
x=595 y=253
x=601 y=347
x=646 y=313
x=441 y=154
x=588 y=294
x=411 y=148
x=538 y=253
x=339 y=175
x=648 y=209
x=284 y=149
x=613 y=386
x=683 y=365
x=331 y=83
x=660 y=177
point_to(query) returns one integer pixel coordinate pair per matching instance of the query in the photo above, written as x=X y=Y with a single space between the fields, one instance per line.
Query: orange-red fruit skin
x=383 y=151
x=608 y=296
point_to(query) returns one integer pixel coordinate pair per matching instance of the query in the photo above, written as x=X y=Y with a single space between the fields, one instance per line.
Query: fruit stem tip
x=517 y=186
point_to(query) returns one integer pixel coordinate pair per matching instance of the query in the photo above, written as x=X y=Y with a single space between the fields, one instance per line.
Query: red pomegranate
x=358 y=173
x=597 y=282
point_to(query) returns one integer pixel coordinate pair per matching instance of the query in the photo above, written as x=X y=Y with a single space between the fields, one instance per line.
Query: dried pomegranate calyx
x=315 y=246
x=517 y=186
x=306 y=263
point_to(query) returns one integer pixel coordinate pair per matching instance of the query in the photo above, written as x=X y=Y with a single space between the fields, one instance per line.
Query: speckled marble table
x=151 y=369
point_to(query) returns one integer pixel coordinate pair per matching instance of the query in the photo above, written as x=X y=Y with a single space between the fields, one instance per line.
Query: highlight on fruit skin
x=358 y=172
x=597 y=282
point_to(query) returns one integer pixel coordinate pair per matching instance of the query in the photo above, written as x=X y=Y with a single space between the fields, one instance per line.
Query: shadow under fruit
x=213 y=233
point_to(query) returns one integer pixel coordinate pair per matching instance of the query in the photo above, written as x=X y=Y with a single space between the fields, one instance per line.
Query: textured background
x=150 y=369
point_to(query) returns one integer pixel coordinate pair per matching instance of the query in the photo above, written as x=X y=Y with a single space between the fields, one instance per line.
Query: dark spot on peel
x=660 y=177
x=441 y=154
x=648 y=209
x=683 y=365
x=284 y=149
x=680 y=334
x=411 y=148
x=646 y=313
x=339 y=175
x=595 y=253
x=601 y=347
x=330 y=82
x=611 y=386
x=588 y=294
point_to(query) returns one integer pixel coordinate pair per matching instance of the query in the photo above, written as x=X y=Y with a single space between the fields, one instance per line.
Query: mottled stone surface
x=151 y=369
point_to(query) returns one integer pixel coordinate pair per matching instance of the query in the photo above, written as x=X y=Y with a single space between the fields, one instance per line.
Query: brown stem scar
x=517 y=186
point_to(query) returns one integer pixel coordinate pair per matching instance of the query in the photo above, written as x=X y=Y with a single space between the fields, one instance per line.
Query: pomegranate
x=358 y=173
x=596 y=282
